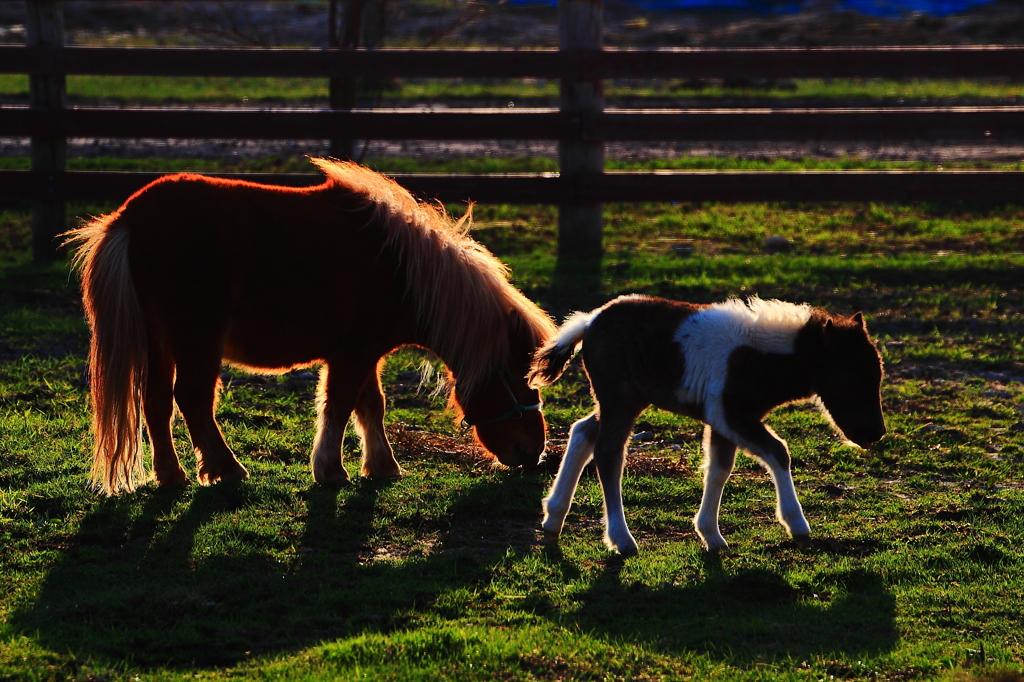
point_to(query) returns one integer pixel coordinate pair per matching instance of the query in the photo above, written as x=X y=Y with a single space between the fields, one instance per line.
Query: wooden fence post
x=580 y=29
x=49 y=154
x=343 y=91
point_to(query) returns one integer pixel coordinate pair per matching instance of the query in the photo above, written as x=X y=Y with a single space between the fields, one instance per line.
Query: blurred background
x=520 y=24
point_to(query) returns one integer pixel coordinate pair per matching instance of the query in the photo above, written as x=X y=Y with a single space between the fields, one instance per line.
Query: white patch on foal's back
x=707 y=339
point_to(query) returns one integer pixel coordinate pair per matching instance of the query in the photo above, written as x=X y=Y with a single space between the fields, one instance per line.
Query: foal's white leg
x=617 y=536
x=719 y=458
x=787 y=506
x=610 y=460
x=578 y=453
x=773 y=453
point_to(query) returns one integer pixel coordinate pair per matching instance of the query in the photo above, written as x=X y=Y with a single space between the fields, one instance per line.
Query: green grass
x=154 y=89
x=915 y=572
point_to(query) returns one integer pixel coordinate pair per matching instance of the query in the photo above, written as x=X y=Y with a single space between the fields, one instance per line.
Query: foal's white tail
x=550 y=360
x=117 y=355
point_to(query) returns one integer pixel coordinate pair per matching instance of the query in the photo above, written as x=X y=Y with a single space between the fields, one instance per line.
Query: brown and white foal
x=727 y=365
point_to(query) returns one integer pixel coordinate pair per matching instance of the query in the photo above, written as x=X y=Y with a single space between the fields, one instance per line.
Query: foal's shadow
x=749 y=615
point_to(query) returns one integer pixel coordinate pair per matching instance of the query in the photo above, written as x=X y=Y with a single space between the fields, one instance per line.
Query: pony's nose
x=524 y=455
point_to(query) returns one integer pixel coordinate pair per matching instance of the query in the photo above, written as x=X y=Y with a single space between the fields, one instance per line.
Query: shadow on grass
x=747 y=616
x=144 y=585
x=576 y=284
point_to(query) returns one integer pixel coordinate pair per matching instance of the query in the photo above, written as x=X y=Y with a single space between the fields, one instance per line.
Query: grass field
x=915 y=571
x=252 y=90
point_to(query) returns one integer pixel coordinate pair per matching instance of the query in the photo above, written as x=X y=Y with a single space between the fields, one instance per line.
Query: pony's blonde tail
x=117 y=354
x=550 y=360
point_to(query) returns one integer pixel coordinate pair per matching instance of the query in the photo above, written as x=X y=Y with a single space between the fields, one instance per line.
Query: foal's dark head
x=850 y=379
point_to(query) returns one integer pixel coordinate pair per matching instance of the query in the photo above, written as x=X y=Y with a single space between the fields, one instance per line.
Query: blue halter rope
x=515 y=413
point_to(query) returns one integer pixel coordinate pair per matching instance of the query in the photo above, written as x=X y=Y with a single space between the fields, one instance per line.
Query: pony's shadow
x=749 y=615
x=144 y=584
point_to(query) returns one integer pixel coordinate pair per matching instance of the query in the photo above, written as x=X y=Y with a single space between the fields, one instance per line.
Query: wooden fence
x=581 y=124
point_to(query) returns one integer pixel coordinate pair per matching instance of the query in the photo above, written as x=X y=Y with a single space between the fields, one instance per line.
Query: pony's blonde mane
x=464 y=304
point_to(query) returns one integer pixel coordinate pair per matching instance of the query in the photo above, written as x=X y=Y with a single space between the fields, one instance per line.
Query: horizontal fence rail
x=796 y=62
x=611 y=186
x=584 y=126
x=911 y=123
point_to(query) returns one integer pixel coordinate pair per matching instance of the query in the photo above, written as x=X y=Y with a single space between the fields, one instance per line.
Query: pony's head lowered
x=466 y=312
x=504 y=411
x=850 y=378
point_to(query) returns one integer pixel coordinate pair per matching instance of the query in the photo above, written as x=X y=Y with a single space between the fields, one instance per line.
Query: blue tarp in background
x=882 y=8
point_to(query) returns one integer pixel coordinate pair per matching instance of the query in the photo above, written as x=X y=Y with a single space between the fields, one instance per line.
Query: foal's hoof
x=803 y=541
x=626 y=548
x=550 y=537
x=628 y=551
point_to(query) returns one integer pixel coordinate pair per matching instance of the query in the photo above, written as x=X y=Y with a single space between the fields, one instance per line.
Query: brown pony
x=194 y=271
x=726 y=364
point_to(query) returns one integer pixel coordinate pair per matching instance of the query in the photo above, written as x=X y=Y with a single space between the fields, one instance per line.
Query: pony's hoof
x=550 y=537
x=172 y=478
x=714 y=547
x=329 y=472
x=229 y=473
x=383 y=474
x=803 y=541
x=333 y=480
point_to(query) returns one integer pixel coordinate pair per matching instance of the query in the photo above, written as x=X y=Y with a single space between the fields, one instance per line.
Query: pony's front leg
x=378 y=457
x=766 y=446
x=336 y=396
x=719 y=459
x=582 y=437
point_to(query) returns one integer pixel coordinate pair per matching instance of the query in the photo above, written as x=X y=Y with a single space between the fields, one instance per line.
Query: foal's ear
x=859 y=319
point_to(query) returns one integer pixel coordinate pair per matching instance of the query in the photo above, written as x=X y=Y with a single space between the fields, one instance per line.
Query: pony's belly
x=272 y=349
x=264 y=362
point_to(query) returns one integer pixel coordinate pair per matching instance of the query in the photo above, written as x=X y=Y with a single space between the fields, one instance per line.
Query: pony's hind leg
x=195 y=391
x=719 y=459
x=378 y=457
x=579 y=451
x=158 y=407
